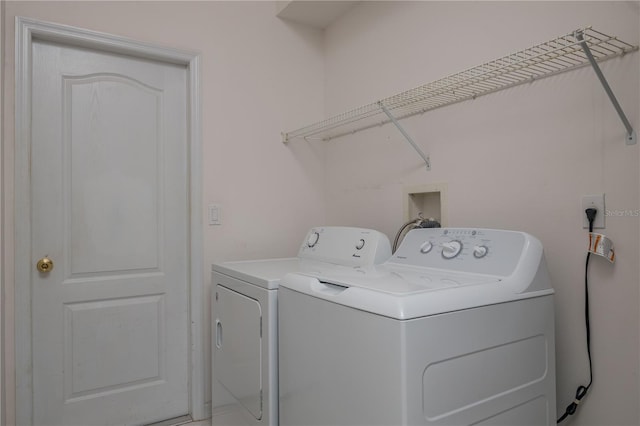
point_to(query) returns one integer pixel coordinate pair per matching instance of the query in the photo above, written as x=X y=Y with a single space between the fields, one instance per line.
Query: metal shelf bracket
x=631 y=133
x=406 y=135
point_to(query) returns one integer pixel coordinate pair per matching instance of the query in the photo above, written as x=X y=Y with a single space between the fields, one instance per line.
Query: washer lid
x=407 y=293
x=401 y=281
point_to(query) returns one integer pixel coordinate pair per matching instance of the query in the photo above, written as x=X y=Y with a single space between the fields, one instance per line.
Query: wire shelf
x=543 y=60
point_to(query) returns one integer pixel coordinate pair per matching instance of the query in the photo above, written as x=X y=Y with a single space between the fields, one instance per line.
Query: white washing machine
x=457 y=328
x=244 y=316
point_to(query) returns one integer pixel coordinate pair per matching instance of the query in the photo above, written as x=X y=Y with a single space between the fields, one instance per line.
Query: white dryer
x=457 y=328
x=244 y=318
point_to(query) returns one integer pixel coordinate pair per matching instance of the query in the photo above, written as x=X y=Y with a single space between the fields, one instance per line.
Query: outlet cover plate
x=597 y=202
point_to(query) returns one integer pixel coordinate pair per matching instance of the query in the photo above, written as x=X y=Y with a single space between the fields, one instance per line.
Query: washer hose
x=419 y=222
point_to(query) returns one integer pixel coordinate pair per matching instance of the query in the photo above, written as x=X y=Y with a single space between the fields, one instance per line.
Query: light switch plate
x=214 y=214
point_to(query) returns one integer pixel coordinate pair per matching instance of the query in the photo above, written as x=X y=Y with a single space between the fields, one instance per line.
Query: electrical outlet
x=597 y=202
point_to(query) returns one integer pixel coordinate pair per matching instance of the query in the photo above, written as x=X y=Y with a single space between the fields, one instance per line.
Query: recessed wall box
x=430 y=199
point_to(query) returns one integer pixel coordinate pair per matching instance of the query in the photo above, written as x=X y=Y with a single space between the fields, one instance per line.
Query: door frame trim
x=28 y=30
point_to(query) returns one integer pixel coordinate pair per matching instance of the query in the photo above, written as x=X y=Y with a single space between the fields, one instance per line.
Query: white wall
x=259 y=76
x=517 y=159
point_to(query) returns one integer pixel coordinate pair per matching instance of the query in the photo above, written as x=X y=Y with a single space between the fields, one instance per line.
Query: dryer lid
x=267 y=273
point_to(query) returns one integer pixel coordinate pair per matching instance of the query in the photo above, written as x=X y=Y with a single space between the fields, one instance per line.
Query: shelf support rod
x=406 y=135
x=631 y=134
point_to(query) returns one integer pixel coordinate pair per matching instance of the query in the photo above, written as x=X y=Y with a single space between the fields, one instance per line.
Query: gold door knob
x=45 y=264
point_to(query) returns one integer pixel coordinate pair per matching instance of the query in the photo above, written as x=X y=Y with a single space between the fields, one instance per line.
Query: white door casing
x=2 y=246
x=95 y=292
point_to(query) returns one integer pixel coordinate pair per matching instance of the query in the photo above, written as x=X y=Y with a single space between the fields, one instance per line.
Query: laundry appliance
x=457 y=328
x=244 y=318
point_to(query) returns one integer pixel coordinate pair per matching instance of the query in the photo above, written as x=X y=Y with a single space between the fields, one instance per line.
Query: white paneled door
x=109 y=185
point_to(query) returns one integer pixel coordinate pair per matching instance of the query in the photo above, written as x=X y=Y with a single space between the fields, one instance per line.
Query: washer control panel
x=346 y=246
x=485 y=251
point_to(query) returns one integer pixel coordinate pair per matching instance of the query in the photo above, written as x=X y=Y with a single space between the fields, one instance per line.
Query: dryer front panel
x=237 y=345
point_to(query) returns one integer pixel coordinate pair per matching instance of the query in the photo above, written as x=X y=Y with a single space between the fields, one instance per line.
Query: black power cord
x=582 y=390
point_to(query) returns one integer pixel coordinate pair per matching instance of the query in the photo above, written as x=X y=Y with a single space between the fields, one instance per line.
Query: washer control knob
x=426 y=247
x=451 y=249
x=313 y=239
x=360 y=244
x=480 y=251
